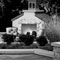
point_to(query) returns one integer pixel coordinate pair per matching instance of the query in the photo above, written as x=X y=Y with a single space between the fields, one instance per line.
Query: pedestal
x=56 y=50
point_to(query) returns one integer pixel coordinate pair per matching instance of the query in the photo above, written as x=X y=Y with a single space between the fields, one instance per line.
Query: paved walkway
x=24 y=57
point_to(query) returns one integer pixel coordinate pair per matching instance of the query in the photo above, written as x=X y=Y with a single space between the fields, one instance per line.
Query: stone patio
x=24 y=57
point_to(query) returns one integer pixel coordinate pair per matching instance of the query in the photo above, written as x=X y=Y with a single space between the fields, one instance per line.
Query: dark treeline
x=8 y=10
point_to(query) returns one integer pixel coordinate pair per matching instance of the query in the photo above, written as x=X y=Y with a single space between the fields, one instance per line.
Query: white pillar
x=19 y=28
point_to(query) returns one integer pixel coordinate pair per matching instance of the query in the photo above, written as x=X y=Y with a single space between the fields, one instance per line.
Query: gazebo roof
x=17 y=17
x=44 y=17
x=28 y=18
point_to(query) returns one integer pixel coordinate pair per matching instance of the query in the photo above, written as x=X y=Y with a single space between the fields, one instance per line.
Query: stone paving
x=24 y=57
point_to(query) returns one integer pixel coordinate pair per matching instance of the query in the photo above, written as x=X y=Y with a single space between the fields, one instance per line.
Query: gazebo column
x=39 y=31
x=19 y=28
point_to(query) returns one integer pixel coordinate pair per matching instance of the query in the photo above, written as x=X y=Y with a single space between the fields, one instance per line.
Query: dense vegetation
x=25 y=41
x=53 y=30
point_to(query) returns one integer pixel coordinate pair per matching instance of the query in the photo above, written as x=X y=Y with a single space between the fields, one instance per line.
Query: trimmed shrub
x=42 y=40
x=8 y=38
x=29 y=40
x=22 y=38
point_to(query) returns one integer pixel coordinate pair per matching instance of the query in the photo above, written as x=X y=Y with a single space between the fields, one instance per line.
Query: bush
x=22 y=38
x=42 y=40
x=29 y=40
x=8 y=38
x=53 y=31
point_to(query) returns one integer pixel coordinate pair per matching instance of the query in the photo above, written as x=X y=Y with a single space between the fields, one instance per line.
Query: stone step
x=14 y=56
x=16 y=51
x=26 y=51
x=44 y=52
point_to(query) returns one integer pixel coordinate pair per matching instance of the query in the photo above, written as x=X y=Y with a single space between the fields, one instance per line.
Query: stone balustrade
x=56 y=50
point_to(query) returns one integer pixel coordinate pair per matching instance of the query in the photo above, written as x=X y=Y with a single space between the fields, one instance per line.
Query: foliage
x=22 y=46
x=42 y=40
x=27 y=39
x=53 y=31
x=8 y=38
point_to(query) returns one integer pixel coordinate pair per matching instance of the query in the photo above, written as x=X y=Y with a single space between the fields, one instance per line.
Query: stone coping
x=27 y=51
x=56 y=44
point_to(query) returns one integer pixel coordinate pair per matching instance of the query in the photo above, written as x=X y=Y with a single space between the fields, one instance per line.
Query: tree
x=53 y=30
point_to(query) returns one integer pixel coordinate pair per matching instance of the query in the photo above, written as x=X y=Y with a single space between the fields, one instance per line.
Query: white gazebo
x=28 y=22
